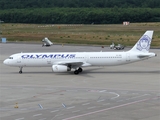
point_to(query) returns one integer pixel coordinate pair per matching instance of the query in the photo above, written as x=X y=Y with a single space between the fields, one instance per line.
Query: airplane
x=66 y=61
x=46 y=42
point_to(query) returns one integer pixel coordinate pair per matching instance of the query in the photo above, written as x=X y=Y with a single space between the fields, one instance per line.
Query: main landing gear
x=20 y=71
x=79 y=70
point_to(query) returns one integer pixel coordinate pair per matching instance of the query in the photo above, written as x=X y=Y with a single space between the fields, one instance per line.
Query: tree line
x=79 y=11
x=80 y=15
x=21 y=4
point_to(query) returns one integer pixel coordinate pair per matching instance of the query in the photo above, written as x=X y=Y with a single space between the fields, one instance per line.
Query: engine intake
x=60 y=68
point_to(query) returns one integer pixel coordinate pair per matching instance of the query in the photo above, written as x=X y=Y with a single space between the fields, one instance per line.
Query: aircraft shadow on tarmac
x=120 y=72
x=91 y=71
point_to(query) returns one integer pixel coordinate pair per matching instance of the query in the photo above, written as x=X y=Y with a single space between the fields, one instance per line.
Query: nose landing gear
x=20 y=71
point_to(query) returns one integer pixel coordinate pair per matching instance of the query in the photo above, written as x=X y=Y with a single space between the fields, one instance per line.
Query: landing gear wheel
x=76 y=72
x=20 y=71
x=80 y=69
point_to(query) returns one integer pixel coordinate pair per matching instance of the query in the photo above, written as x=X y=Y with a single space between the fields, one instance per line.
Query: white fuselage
x=90 y=58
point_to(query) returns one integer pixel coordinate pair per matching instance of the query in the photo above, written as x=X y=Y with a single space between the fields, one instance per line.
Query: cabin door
x=127 y=57
x=19 y=60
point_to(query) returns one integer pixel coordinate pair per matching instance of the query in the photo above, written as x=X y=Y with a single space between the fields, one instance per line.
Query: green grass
x=81 y=34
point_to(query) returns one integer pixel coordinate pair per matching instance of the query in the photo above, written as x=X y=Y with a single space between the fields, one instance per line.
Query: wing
x=72 y=64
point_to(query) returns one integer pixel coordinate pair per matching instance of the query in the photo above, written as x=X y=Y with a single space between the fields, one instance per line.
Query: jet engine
x=60 y=68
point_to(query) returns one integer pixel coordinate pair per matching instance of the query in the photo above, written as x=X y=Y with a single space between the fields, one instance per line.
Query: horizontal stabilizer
x=147 y=55
x=142 y=56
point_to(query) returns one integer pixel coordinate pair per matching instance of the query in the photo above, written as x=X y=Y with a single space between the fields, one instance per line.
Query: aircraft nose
x=5 y=62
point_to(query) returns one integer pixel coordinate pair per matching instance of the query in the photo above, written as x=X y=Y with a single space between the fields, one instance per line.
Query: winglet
x=143 y=44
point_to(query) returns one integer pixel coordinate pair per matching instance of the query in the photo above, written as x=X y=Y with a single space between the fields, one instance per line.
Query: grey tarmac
x=126 y=92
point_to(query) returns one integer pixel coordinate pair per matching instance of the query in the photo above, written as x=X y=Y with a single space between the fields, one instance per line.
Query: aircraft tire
x=76 y=72
x=80 y=69
x=20 y=72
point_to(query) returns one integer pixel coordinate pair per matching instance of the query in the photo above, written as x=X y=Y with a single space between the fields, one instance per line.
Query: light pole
x=1 y=29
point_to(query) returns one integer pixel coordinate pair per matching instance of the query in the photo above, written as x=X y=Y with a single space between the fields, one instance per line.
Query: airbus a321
x=68 y=61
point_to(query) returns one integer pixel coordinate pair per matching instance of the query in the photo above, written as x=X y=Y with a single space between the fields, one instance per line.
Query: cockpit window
x=10 y=57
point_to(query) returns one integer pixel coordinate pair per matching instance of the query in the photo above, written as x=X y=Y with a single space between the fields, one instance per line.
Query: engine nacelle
x=60 y=68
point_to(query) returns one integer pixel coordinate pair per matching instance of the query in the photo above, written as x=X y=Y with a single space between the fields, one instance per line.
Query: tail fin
x=143 y=44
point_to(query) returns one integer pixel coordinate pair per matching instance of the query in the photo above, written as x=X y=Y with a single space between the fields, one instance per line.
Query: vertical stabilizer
x=143 y=44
